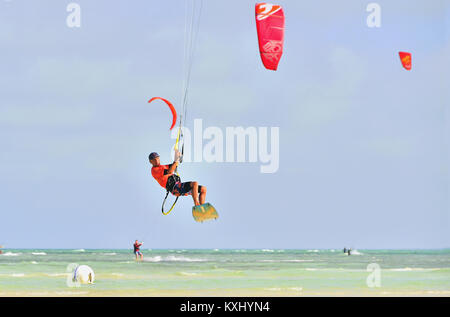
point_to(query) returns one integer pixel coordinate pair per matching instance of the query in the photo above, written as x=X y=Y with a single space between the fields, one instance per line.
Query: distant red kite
x=405 y=58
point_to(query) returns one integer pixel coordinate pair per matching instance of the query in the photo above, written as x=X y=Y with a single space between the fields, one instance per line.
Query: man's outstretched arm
x=174 y=166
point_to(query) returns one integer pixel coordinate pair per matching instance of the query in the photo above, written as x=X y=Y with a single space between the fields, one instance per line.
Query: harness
x=171 y=181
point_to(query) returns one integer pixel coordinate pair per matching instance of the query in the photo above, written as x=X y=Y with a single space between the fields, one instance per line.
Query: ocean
x=263 y=272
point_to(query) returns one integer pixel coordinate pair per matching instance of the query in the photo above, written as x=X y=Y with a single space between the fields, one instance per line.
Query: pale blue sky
x=363 y=143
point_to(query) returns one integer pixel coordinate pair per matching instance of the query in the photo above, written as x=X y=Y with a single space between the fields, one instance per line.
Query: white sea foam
x=117 y=274
x=183 y=259
x=405 y=269
x=172 y=258
x=17 y=275
x=315 y=251
x=409 y=269
x=79 y=250
x=10 y=254
x=188 y=273
x=267 y=250
x=38 y=253
x=153 y=259
x=293 y=260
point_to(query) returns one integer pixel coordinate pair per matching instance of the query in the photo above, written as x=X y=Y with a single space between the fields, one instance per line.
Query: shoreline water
x=227 y=272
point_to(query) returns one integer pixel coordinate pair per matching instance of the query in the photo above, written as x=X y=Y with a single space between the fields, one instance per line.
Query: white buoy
x=83 y=274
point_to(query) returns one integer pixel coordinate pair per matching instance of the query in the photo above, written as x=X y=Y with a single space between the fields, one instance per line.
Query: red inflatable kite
x=174 y=113
x=405 y=58
x=270 y=28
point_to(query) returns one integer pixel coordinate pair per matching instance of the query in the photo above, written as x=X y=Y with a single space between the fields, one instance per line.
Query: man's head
x=154 y=158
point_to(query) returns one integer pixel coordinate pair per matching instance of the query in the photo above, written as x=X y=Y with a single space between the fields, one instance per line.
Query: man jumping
x=166 y=177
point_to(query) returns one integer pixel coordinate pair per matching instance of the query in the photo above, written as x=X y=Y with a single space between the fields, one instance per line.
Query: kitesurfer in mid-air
x=166 y=177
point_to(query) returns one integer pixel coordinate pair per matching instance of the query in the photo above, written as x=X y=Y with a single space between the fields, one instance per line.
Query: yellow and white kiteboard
x=204 y=212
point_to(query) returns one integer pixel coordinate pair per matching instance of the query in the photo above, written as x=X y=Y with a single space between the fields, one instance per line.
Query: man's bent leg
x=195 y=193
x=202 y=195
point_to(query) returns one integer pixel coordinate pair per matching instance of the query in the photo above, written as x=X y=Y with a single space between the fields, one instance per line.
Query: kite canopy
x=172 y=109
x=270 y=28
x=405 y=58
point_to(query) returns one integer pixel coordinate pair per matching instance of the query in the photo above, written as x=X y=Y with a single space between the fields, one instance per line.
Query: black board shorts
x=183 y=189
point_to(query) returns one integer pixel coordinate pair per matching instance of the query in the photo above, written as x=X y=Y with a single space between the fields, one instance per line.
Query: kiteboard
x=204 y=212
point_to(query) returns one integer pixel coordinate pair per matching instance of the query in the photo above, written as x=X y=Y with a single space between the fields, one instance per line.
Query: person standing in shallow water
x=137 y=251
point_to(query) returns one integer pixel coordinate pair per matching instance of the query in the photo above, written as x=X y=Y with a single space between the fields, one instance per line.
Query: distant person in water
x=137 y=251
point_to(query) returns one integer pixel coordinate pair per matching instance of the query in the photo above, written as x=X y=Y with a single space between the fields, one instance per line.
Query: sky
x=363 y=143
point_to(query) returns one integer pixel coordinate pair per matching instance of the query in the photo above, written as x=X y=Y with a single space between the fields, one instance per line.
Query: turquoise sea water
x=228 y=273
